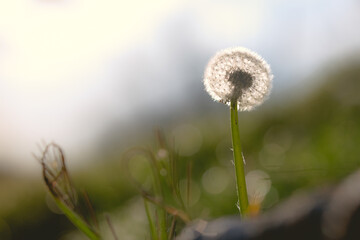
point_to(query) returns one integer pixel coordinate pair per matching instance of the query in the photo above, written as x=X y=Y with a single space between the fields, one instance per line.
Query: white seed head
x=238 y=74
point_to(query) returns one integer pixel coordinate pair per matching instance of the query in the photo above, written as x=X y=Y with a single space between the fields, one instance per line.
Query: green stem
x=77 y=220
x=151 y=223
x=159 y=192
x=238 y=160
x=162 y=223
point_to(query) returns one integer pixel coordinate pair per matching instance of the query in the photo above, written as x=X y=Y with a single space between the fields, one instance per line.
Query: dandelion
x=238 y=74
x=241 y=79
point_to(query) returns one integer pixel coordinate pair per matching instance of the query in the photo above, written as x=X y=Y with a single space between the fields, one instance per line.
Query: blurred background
x=97 y=77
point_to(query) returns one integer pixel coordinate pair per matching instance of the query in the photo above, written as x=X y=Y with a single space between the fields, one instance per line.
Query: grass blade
x=77 y=220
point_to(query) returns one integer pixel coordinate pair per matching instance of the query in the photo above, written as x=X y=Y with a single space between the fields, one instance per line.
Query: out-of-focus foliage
x=304 y=145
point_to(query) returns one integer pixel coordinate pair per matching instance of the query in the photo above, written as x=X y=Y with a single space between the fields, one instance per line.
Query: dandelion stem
x=243 y=201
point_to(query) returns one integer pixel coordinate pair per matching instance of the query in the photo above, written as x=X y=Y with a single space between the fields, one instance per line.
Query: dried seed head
x=238 y=74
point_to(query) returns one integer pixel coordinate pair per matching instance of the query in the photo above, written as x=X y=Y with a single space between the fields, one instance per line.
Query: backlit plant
x=241 y=79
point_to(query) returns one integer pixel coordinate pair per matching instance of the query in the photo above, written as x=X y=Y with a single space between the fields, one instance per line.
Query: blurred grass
x=304 y=145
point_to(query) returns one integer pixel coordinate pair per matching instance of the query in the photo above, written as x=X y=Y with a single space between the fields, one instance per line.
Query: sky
x=70 y=68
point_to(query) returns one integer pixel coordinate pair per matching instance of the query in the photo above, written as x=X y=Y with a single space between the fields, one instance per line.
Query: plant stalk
x=77 y=220
x=153 y=233
x=243 y=201
x=161 y=217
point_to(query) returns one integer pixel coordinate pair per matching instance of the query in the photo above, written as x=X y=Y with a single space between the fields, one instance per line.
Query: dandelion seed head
x=238 y=74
